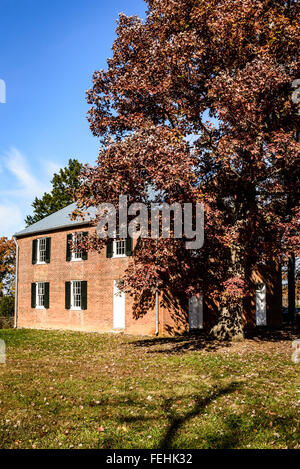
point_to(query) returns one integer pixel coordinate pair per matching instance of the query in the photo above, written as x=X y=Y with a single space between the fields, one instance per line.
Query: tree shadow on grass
x=202 y=341
x=229 y=438
x=264 y=334
x=182 y=343
x=176 y=422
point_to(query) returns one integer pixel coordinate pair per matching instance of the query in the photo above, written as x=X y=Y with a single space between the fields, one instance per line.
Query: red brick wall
x=100 y=272
x=97 y=270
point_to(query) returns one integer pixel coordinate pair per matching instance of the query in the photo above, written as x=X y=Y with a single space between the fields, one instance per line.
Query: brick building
x=58 y=288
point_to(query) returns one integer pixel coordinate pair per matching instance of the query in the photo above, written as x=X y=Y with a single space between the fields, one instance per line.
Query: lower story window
x=76 y=294
x=196 y=312
x=40 y=294
x=261 y=305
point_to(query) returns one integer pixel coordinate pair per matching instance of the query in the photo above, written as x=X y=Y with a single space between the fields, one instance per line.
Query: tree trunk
x=230 y=322
x=230 y=325
x=291 y=288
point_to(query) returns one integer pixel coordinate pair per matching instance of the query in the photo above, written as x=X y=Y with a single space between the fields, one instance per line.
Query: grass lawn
x=80 y=390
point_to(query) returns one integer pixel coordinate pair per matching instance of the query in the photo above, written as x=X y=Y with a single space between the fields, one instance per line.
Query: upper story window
x=41 y=250
x=76 y=252
x=119 y=248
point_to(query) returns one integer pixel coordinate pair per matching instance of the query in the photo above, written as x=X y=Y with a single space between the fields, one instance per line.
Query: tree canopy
x=196 y=102
x=64 y=185
x=7 y=266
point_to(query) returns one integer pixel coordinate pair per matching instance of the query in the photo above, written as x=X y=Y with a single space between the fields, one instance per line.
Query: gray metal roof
x=60 y=219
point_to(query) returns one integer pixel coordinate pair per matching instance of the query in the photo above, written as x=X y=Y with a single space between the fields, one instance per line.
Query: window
x=76 y=295
x=40 y=295
x=196 y=312
x=261 y=305
x=77 y=251
x=42 y=250
x=119 y=248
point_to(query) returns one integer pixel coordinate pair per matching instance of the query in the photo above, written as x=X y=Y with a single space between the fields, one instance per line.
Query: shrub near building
x=7 y=305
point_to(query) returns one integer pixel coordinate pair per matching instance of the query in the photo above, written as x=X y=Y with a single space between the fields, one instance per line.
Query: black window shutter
x=84 y=295
x=84 y=251
x=34 y=251
x=68 y=255
x=33 y=295
x=128 y=246
x=47 y=291
x=48 y=250
x=68 y=295
x=109 y=249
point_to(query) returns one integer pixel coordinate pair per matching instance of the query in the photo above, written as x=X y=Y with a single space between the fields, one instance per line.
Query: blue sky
x=48 y=52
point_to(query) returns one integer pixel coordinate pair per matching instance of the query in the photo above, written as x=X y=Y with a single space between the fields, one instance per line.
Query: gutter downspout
x=156 y=298
x=157 y=312
x=16 y=284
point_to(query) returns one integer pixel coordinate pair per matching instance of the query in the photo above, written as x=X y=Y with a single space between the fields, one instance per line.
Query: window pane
x=76 y=294
x=40 y=300
x=42 y=250
x=77 y=251
x=119 y=247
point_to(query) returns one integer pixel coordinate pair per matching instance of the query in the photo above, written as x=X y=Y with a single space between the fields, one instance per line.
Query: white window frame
x=38 y=254
x=261 y=304
x=74 y=253
x=72 y=286
x=195 y=312
x=115 y=247
x=37 y=295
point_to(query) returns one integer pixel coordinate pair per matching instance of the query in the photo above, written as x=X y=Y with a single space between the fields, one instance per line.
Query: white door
x=119 y=307
x=261 y=305
x=196 y=312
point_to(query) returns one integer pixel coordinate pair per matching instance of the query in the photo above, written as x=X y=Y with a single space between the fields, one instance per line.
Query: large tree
x=64 y=185
x=188 y=64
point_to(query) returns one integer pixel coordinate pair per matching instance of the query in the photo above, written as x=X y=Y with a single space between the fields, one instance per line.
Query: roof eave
x=49 y=230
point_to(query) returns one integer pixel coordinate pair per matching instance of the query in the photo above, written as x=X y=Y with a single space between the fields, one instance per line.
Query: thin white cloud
x=29 y=185
x=19 y=189
x=11 y=219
